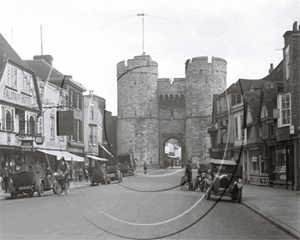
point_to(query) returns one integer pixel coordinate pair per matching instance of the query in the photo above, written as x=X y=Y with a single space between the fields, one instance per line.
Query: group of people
x=189 y=175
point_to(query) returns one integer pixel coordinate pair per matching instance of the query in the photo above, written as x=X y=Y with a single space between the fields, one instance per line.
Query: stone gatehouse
x=152 y=110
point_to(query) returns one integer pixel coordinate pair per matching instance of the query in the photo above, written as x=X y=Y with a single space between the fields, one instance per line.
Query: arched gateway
x=152 y=110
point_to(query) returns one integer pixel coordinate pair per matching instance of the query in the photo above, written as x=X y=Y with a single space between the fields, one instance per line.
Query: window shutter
x=233 y=102
x=74 y=99
x=80 y=100
x=2 y=118
x=22 y=122
x=75 y=130
x=80 y=130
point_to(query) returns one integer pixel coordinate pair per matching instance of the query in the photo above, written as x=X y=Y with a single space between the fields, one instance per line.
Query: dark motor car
x=225 y=176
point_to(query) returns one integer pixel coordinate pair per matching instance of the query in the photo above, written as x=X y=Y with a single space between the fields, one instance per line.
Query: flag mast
x=41 y=40
x=142 y=14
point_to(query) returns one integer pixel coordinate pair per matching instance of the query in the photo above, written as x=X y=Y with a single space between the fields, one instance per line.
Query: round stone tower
x=138 y=124
x=203 y=79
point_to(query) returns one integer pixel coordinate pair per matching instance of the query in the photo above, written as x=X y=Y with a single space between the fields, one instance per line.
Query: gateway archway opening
x=173 y=153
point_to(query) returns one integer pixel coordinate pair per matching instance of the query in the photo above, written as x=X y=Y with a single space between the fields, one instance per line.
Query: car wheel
x=13 y=195
x=41 y=189
x=67 y=185
x=207 y=194
x=186 y=186
x=57 y=188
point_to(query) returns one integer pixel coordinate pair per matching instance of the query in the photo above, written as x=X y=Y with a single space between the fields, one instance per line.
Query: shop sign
x=264 y=180
x=292 y=129
x=65 y=123
x=282 y=177
x=283 y=133
x=27 y=145
x=77 y=150
x=39 y=140
x=238 y=142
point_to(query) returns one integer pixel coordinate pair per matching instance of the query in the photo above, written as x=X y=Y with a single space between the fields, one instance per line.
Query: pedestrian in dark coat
x=5 y=175
x=189 y=174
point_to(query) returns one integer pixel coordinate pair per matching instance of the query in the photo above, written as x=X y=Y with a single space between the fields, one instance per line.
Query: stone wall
x=203 y=79
x=138 y=123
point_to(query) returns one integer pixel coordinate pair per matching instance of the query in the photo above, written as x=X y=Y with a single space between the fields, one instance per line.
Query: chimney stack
x=271 y=68
x=47 y=58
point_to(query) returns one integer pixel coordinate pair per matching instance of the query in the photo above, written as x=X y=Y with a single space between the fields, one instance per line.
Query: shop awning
x=97 y=158
x=59 y=154
x=108 y=152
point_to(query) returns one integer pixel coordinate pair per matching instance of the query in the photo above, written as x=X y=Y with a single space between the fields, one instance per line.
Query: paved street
x=116 y=212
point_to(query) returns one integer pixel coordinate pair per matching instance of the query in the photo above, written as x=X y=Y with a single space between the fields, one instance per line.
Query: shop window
x=254 y=165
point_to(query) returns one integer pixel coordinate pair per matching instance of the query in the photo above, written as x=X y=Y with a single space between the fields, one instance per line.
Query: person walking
x=145 y=168
x=5 y=176
x=86 y=174
x=80 y=174
x=189 y=174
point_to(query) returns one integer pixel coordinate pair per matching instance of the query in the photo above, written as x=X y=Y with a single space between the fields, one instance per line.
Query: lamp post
x=222 y=127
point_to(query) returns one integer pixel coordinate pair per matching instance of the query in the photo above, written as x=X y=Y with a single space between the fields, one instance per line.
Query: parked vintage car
x=28 y=181
x=225 y=176
x=101 y=171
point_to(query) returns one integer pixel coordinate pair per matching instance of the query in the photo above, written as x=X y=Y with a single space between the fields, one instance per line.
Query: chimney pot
x=295 y=26
x=271 y=68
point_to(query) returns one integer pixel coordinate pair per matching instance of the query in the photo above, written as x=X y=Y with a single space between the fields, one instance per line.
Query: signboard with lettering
x=283 y=133
x=65 y=122
x=27 y=145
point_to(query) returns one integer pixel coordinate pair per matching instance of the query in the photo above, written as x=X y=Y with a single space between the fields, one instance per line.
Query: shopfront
x=258 y=168
x=283 y=166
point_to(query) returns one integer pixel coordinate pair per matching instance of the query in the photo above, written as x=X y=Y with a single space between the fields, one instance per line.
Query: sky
x=88 y=38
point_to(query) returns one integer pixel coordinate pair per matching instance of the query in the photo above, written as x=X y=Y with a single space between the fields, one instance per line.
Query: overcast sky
x=88 y=38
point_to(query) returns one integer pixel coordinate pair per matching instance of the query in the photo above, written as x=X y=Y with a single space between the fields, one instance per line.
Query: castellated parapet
x=152 y=110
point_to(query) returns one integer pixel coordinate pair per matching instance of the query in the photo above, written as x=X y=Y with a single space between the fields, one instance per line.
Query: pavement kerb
x=273 y=220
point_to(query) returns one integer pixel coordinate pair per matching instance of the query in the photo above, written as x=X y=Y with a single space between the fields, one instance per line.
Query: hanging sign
x=27 y=145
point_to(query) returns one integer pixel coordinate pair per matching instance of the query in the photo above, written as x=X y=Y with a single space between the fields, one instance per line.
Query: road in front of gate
x=138 y=208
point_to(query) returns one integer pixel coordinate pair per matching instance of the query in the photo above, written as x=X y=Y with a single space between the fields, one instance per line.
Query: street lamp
x=222 y=127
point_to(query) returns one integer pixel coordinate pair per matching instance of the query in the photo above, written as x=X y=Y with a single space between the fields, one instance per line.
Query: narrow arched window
x=8 y=121
x=31 y=125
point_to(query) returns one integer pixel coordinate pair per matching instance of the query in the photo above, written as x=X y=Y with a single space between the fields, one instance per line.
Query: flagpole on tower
x=142 y=14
